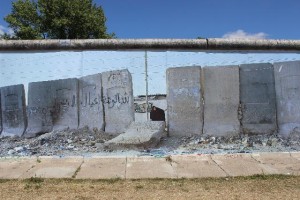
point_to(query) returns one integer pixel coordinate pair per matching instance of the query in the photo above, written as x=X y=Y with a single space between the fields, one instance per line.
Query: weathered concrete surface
x=91 y=106
x=14 y=120
x=287 y=84
x=102 y=168
x=150 y=167
x=196 y=166
x=151 y=44
x=238 y=164
x=65 y=113
x=184 y=100
x=39 y=110
x=13 y=168
x=173 y=166
x=258 y=98
x=117 y=100
x=278 y=163
x=54 y=167
x=221 y=96
x=295 y=155
x=140 y=134
x=52 y=105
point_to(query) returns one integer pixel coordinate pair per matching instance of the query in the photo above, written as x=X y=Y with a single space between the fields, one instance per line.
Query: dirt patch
x=253 y=187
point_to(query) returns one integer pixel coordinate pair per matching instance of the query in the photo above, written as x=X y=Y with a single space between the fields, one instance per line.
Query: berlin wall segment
x=13 y=107
x=184 y=101
x=258 y=98
x=221 y=96
x=118 y=100
x=52 y=105
x=287 y=85
x=91 y=107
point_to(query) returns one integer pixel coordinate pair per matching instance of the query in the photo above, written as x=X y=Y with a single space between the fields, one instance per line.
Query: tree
x=57 y=19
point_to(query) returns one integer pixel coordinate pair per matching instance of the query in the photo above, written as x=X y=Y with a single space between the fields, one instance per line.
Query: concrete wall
x=287 y=84
x=118 y=100
x=184 y=97
x=39 y=109
x=258 y=101
x=14 y=120
x=221 y=96
x=91 y=106
x=52 y=105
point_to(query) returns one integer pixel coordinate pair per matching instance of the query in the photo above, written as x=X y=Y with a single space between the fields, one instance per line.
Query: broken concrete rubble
x=140 y=134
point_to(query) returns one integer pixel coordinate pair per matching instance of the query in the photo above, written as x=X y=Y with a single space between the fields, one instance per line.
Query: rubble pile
x=93 y=142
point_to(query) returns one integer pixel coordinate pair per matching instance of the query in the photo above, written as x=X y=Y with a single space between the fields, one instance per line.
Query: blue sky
x=273 y=19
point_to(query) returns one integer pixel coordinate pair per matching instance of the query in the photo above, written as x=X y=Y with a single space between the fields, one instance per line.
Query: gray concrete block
x=14 y=120
x=65 y=112
x=184 y=100
x=91 y=106
x=287 y=85
x=52 y=105
x=117 y=100
x=140 y=134
x=258 y=99
x=221 y=96
x=41 y=99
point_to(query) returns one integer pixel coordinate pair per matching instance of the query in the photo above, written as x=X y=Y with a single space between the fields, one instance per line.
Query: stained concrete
x=54 y=167
x=258 y=98
x=140 y=134
x=39 y=109
x=287 y=85
x=13 y=106
x=98 y=167
x=150 y=167
x=238 y=164
x=278 y=163
x=65 y=113
x=16 y=167
x=196 y=166
x=184 y=100
x=91 y=106
x=52 y=105
x=117 y=100
x=221 y=95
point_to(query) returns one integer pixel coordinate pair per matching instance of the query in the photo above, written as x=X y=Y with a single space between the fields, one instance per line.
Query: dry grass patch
x=253 y=187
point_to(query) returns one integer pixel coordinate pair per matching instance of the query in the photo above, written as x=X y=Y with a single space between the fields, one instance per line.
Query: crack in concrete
x=227 y=175
x=78 y=169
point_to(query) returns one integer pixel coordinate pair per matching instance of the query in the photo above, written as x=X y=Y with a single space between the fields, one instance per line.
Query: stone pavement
x=133 y=167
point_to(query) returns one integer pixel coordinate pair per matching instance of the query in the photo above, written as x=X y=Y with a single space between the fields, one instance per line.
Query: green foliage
x=57 y=19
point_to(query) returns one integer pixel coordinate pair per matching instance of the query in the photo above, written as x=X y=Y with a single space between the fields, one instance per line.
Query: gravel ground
x=88 y=142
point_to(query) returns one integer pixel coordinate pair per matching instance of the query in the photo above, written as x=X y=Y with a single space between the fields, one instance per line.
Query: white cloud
x=4 y=29
x=241 y=34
